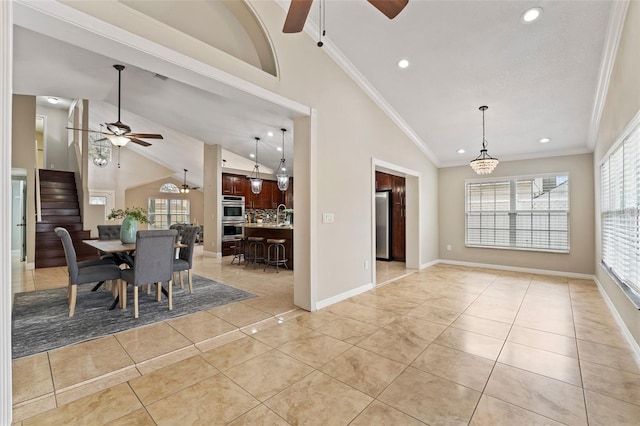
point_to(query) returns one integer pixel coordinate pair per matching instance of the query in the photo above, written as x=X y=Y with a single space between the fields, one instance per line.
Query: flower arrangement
x=136 y=213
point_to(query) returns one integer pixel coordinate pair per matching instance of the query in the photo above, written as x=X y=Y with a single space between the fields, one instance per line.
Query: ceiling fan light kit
x=484 y=164
x=184 y=187
x=283 y=177
x=256 y=181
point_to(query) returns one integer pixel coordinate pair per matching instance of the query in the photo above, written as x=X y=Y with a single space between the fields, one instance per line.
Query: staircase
x=59 y=207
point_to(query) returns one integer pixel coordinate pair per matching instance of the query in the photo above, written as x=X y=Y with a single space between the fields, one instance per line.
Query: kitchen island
x=267 y=230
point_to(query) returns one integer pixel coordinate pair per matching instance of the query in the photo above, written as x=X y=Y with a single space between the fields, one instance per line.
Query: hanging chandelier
x=484 y=163
x=283 y=177
x=256 y=181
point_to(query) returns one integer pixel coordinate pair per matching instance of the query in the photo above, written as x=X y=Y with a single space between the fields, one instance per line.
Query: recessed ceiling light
x=403 y=63
x=52 y=100
x=544 y=140
x=252 y=155
x=270 y=134
x=460 y=151
x=279 y=148
x=531 y=15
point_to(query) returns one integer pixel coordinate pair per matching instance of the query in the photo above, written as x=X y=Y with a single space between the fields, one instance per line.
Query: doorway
x=19 y=214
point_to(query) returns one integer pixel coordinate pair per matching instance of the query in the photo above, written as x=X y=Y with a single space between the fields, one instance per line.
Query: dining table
x=123 y=254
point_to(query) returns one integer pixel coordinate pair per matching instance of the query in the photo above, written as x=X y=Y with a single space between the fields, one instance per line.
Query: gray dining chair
x=155 y=251
x=184 y=262
x=83 y=272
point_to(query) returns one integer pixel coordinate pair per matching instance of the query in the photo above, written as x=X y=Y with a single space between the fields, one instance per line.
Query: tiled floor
x=446 y=345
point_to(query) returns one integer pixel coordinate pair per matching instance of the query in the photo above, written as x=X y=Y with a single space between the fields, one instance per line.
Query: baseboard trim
x=213 y=254
x=429 y=264
x=28 y=265
x=518 y=269
x=635 y=347
x=343 y=296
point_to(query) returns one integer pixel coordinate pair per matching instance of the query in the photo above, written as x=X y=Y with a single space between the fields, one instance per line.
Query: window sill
x=631 y=295
x=519 y=249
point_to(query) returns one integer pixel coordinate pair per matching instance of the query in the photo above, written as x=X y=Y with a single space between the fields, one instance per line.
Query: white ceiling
x=539 y=80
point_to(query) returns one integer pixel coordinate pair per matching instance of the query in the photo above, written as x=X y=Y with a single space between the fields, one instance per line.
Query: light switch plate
x=327 y=217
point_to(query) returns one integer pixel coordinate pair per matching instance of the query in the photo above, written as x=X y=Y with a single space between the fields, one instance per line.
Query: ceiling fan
x=299 y=10
x=119 y=133
x=184 y=187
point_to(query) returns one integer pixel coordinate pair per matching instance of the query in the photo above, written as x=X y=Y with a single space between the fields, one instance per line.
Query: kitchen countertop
x=267 y=226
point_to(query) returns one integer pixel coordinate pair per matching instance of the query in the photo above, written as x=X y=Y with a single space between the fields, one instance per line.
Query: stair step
x=71 y=191
x=57 y=184
x=60 y=212
x=58 y=197
x=56 y=175
x=48 y=227
x=61 y=220
x=51 y=235
x=59 y=205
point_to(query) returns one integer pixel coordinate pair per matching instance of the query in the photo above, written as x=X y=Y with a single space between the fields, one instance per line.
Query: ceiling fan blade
x=390 y=8
x=145 y=135
x=297 y=16
x=138 y=141
x=82 y=130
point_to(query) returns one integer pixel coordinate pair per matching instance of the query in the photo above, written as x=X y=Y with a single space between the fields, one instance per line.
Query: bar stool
x=238 y=249
x=255 y=252
x=275 y=247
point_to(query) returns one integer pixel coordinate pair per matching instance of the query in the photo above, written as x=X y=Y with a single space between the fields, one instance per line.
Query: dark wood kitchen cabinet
x=396 y=184
x=234 y=184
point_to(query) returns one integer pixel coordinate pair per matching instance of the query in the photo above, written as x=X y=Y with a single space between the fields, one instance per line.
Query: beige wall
x=56 y=143
x=581 y=225
x=351 y=131
x=622 y=104
x=139 y=197
x=23 y=155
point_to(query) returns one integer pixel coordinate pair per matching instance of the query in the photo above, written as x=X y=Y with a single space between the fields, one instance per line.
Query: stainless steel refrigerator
x=383 y=225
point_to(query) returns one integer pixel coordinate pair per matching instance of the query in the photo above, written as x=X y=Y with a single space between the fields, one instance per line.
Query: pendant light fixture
x=256 y=181
x=283 y=177
x=484 y=163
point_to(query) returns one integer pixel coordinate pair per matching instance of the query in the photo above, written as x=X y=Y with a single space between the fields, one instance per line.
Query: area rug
x=41 y=318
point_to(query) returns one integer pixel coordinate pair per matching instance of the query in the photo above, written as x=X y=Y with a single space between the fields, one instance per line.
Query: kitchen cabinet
x=384 y=181
x=234 y=184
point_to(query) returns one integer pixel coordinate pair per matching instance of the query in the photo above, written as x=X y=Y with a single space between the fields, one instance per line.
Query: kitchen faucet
x=278 y=213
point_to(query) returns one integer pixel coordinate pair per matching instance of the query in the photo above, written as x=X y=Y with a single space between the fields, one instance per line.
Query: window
x=163 y=212
x=620 y=201
x=99 y=200
x=530 y=213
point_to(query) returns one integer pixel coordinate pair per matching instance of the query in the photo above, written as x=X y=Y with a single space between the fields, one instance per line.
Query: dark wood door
x=384 y=181
x=398 y=231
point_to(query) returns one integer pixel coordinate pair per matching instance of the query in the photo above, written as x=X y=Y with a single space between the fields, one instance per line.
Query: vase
x=128 y=230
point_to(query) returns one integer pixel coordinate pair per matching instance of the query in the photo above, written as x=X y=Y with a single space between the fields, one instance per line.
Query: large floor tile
x=171 y=379
x=78 y=363
x=492 y=411
x=431 y=399
x=140 y=417
x=366 y=371
x=213 y=401
x=348 y=330
x=379 y=414
x=367 y=314
x=259 y=416
x=535 y=360
x=239 y=314
x=397 y=345
x=99 y=408
x=460 y=367
x=551 y=398
x=280 y=334
x=611 y=382
x=435 y=314
x=236 y=352
x=472 y=343
x=200 y=326
x=319 y=399
x=317 y=319
x=315 y=349
x=268 y=374
x=551 y=342
x=609 y=356
x=31 y=377
x=479 y=325
x=605 y=411
x=144 y=343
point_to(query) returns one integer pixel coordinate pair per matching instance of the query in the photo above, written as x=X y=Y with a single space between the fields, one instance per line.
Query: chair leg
x=72 y=300
x=158 y=291
x=190 y=281
x=181 y=279
x=135 y=301
x=123 y=294
x=170 y=296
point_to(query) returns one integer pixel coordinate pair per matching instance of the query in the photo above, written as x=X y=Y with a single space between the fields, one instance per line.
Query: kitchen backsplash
x=267 y=215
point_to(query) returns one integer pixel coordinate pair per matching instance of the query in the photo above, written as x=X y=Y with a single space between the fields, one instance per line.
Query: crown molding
x=612 y=40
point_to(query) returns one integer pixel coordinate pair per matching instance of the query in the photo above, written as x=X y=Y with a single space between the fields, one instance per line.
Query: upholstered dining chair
x=184 y=262
x=83 y=272
x=155 y=251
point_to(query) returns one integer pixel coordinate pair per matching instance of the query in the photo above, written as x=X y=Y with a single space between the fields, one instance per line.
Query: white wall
x=581 y=216
x=622 y=104
x=55 y=143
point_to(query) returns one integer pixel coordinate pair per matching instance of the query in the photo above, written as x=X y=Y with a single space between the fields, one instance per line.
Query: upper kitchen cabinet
x=234 y=184
x=384 y=181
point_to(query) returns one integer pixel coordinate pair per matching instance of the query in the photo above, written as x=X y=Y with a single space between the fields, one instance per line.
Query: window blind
x=519 y=212
x=620 y=199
